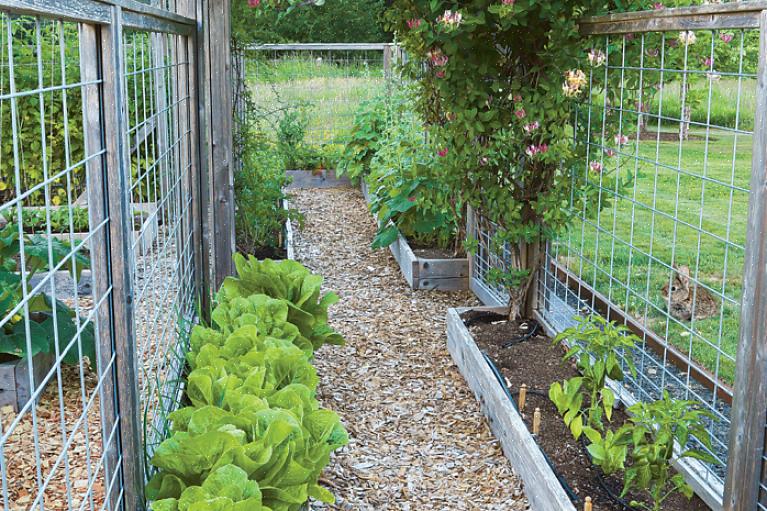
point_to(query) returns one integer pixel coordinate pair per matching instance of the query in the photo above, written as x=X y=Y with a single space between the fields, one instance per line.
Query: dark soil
x=267 y=253
x=534 y=361
x=434 y=253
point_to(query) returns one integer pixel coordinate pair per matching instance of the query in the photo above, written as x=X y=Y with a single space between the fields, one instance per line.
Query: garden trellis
x=106 y=119
x=671 y=210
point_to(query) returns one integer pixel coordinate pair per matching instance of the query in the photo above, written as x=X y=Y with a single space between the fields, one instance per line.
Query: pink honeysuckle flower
x=254 y=3
x=414 y=23
x=443 y=152
x=708 y=62
x=621 y=139
x=450 y=19
x=657 y=6
x=630 y=37
x=520 y=113
x=727 y=38
x=517 y=98
x=653 y=52
x=411 y=199
x=596 y=167
x=597 y=57
x=687 y=37
x=609 y=153
x=529 y=128
x=543 y=148
x=440 y=74
x=484 y=161
x=508 y=2
x=531 y=150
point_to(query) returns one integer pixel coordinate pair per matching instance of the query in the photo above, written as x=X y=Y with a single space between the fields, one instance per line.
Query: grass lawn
x=628 y=261
x=327 y=91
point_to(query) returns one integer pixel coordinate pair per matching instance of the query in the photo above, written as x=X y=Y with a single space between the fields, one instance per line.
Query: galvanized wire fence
x=100 y=245
x=310 y=92
x=665 y=130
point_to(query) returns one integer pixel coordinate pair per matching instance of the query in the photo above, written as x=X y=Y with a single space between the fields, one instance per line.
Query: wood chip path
x=419 y=440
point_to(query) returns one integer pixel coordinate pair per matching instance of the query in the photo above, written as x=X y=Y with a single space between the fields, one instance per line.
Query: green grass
x=327 y=93
x=700 y=203
x=724 y=105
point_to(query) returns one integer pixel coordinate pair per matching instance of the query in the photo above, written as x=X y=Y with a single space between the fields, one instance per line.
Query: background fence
x=308 y=93
x=667 y=244
x=105 y=120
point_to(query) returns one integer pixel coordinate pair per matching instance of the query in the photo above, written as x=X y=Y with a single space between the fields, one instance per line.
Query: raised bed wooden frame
x=15 y=388
x=423 y=273
x=543 y=489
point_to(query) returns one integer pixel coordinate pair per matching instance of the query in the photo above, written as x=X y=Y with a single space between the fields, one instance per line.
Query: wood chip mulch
x=419 y=440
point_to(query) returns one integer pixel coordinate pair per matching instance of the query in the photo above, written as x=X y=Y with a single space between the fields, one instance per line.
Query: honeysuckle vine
x=507 y=87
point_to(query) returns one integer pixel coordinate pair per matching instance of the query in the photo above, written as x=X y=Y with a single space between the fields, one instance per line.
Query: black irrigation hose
x=574 y=498
x=488 y=316
x=600 y=476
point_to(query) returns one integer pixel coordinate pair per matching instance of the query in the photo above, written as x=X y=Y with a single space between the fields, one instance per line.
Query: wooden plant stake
x=537 y=422
x=522 y=397
x=587 y=505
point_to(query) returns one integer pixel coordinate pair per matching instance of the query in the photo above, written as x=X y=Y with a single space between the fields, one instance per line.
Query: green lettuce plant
x=289 y=281
x=254 y=436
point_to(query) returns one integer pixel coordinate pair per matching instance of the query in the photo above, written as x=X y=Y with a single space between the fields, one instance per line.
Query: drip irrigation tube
x=488 y=316
x=574 y=498
x=600 y=476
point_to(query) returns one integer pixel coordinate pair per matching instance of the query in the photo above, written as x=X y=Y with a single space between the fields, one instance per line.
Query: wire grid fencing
x=665 y=132
x=310 y=92
x=99 y=248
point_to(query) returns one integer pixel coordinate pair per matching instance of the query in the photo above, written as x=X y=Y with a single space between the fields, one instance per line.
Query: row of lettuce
x=253 y=436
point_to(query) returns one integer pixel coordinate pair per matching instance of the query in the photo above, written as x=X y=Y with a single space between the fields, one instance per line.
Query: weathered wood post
x=749 y=412
x=218 y=98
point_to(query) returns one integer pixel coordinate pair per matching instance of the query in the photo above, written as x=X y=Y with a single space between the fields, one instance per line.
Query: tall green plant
x=496 y=82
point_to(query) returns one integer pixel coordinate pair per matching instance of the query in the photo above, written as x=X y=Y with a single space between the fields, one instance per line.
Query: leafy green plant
x=290 y=281
x=656 y=429
x=50 y=323
x=371 y=122
x=36 y=220
x=408 y=194
x=584 y=400
x=254 y=436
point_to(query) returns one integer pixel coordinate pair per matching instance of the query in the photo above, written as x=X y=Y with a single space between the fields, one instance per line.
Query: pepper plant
x=585 y=400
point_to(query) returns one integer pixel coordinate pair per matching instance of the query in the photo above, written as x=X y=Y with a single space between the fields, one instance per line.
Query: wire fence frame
x=673 y=183
x=102 y=194
x=360 y=72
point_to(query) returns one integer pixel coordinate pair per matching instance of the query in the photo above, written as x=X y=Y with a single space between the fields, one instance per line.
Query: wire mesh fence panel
x=665 y=131
x=309 y=96
x=157 y=77
x=58 y=425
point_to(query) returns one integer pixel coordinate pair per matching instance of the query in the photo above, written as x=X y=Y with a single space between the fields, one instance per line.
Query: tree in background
x=334 y=21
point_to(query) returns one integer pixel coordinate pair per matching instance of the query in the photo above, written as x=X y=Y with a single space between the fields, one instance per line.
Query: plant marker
x=587 y=505
x=522 y=397
x=537 y=422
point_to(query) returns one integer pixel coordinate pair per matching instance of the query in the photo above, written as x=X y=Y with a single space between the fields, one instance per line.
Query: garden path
x=419 y=441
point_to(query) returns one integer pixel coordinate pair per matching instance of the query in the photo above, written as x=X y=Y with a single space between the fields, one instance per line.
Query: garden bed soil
x=537 y=363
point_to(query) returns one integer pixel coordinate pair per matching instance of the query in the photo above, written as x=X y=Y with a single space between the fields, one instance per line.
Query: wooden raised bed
x=15 y=388
x=542 y=487
x=317 y=179
x=432 y=274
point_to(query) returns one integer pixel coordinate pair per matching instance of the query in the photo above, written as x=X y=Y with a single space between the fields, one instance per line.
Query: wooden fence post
x=99 y=253
x=749 y=412
x=218 y=94
x=121 y=255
